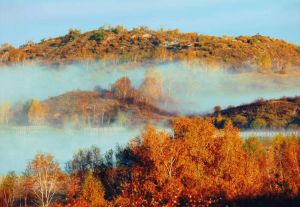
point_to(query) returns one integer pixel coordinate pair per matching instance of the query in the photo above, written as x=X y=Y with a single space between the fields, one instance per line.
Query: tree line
x=195 y=165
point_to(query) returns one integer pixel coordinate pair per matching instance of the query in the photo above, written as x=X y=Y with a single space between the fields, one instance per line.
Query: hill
x=117 y=44
x=92 y=108
x=274 y=113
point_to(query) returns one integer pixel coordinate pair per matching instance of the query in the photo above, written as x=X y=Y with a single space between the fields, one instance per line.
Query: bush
x=239 y=120
x=118 y=29
x=258 y=123
x=293 y=126
x=73 y=34
x=98 y=35
x=6 y=47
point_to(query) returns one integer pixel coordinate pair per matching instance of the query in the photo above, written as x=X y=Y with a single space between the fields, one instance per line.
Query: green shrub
x=73 y=34
x=98 y=35
x=239 y=120
x=258 y=123
x=293 y=126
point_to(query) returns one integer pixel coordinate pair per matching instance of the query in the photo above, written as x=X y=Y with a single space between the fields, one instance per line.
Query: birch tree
x=46 y=176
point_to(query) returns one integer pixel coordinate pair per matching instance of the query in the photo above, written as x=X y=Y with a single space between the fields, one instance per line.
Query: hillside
x=142 y=44
x=92 y=108
x=274 y=113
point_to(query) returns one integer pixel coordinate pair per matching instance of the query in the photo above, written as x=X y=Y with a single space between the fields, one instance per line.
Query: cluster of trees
x=33 y=112
x=117 y=44
x=196 y=165
x=150 y=91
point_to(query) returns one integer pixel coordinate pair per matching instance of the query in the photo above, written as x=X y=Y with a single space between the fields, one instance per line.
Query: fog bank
x=188 y=88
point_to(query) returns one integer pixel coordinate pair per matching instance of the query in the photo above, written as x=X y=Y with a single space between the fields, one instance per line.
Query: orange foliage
x=201 y=165
x=92 y=191
x=196 y=165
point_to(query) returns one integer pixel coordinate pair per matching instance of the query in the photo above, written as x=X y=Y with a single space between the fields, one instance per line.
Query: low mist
x=188 y=88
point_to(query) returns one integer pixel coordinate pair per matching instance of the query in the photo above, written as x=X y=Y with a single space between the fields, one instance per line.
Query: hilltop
x=141 y=45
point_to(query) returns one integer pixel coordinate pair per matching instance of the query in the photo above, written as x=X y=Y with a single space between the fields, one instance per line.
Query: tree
x=47 y=178
x=86 y=160
x=25 y=188
x=285 y=161
x=151 y=90
x=8 y=189
x=92 y=191
x=238 y=174
x=37 y=112
x=264 y=62
x=217 y=109
x=123 y=89
x=5 y=112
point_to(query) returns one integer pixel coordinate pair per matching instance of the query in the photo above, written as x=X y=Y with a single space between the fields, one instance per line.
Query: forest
x=195 y=165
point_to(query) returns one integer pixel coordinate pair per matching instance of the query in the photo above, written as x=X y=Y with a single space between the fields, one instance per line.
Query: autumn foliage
x=196 y=164
x=141 y=44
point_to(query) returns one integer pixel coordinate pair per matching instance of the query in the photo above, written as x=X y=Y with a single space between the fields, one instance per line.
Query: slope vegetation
x=141 y=44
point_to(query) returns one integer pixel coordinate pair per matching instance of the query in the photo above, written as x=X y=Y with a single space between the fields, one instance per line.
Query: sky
x=24 y=20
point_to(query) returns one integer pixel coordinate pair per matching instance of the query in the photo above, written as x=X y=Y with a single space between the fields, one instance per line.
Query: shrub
x=239 y=120
x=98 y=35
x=73 y=34
x=6 y=47
x=118 y=29
x=293 y=126
x=258 y=123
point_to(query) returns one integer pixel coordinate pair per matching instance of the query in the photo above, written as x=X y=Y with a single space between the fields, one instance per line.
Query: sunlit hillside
x=141 y=44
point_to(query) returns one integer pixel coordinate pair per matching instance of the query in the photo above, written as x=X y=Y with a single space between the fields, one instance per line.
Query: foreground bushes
x=198 y=165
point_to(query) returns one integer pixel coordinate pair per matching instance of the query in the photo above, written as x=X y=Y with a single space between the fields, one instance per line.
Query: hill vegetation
x=122 y=104
x=142 y=44
x=274 y=114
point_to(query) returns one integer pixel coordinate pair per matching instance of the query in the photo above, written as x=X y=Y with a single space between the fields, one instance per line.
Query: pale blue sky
x=23 y=20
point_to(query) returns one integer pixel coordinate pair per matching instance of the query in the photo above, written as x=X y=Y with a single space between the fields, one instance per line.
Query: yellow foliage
x=93 y=191
x=37 y=112
x=264 y=62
